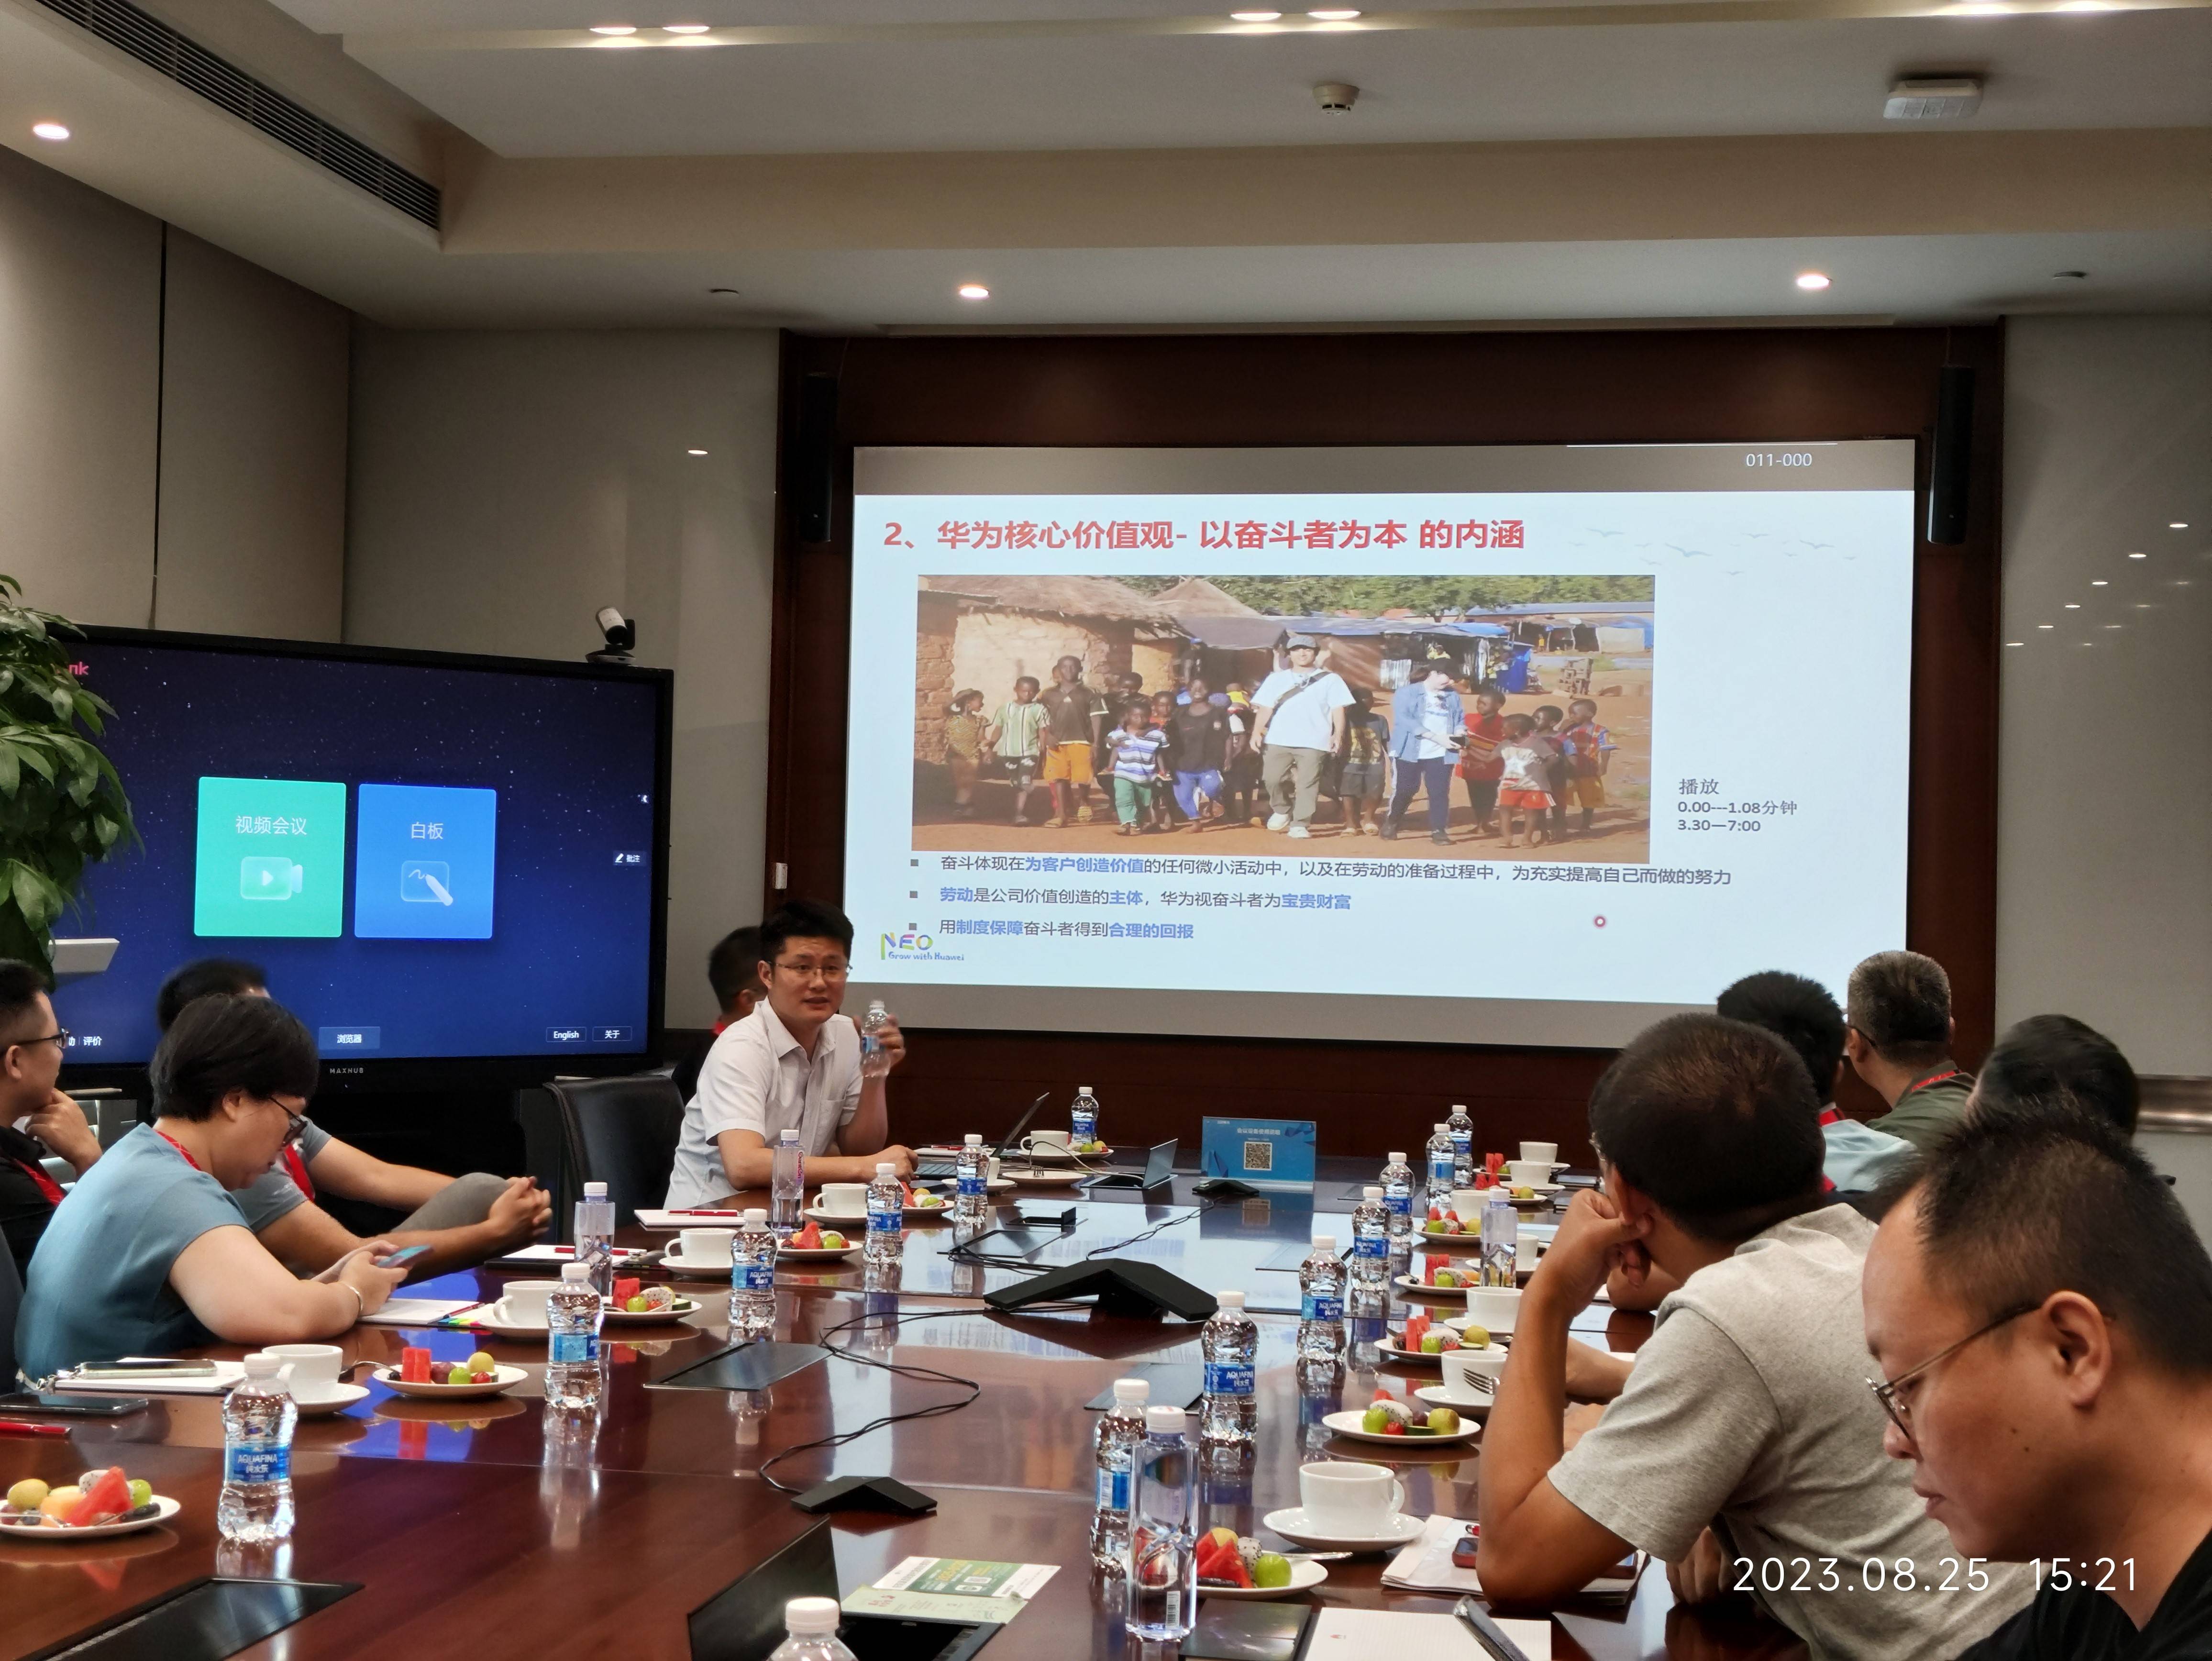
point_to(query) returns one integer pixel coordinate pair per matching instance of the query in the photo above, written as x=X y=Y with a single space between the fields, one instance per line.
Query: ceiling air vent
x=191 y=66
x=1927 y=98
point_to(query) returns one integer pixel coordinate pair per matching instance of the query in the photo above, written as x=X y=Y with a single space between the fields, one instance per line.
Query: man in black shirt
x=35 y=1118
x=2041 y=1311
x=733 y=970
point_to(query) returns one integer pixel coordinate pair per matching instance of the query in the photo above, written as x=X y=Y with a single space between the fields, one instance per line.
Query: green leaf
x=11 y=770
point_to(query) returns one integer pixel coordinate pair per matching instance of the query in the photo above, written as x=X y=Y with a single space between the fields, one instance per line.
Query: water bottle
x=786 y=1184
x=1444 y=1168
x=1366 y=1311
x=974 y=1203
x=874 y=1063
x=1321 y=1303
x=1501 y=1244
x=257 y=1418
x=886 y=1241
x=1230 y=1412
x=572 y=1340
x=595 y=1237
x=1121 y=1429
x=1162 y=1567
x=1461 y=1129
x=1371 y=1241
x=1398 y=1197
x=752 y=1278
x=813 y=1624
x=1083 y=1117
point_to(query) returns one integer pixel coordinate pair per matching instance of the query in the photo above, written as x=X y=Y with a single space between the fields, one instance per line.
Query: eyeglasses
x=1901 y=1413
x=59 y=1037
x=295 y=1123
x=832 y=970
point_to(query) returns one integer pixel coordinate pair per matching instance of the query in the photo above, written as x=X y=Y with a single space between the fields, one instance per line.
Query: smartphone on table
x=47 y=1404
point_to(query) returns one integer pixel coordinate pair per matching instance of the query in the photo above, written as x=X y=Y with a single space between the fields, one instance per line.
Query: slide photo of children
x=1082 y=714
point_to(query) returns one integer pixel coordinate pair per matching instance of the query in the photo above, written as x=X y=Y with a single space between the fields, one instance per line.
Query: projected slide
x=1392 y=729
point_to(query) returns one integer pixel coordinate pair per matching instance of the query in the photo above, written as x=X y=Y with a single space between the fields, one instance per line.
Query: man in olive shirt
x=1075 y=731
x=2041 y=1312
x=1898 y=1009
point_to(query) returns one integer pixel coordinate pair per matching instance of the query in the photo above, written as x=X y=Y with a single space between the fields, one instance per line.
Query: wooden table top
x=470 y=1526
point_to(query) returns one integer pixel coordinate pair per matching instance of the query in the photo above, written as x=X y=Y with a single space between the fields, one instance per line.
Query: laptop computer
x=1159 y=1167
x=744 y=1621
x=936 y=1166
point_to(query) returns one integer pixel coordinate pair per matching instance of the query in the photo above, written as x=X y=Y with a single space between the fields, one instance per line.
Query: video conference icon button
x=345 y=1040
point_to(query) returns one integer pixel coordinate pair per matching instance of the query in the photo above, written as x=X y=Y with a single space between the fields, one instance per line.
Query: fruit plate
x=504 y=1378
x=1304 y=1577
x=791 y=1254
x=1407 y=1283
x=842 y=1222
x=1348 y=1425
x=662 y=1317
x=1412 y=1357
x=164 y=1509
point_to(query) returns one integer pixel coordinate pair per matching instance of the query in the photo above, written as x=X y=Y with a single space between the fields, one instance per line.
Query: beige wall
x=506 y=486
x=170 y=461
x=2104 y=794
x=80 y=369
x=253 y=451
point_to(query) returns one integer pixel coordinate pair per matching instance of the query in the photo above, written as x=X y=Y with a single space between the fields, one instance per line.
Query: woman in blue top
x=148 y=1253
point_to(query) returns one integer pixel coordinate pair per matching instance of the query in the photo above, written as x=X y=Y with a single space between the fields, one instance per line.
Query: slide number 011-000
x=1778 y=458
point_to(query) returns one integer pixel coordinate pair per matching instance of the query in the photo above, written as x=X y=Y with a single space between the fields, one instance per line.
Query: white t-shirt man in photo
x=1301 y=724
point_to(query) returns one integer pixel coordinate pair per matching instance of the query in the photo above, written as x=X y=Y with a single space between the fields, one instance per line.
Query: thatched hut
x=988 y=631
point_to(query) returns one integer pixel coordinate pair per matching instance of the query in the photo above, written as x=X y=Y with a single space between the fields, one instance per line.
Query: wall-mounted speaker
x=1947 y=461
x=811 y=477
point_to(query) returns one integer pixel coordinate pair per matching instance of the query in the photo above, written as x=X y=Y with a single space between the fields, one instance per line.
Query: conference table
x=503 y=1526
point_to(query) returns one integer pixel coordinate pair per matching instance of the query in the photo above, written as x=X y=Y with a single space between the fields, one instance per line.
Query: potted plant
x=62 y=806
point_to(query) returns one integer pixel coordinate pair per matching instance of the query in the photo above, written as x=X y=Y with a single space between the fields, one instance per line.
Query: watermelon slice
x=107 y=1499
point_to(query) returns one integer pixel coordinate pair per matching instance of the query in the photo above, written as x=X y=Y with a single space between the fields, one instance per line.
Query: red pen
x=24 y=1427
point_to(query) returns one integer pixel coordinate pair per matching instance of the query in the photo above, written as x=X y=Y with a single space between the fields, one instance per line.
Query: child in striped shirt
x=1016 y=737
x=1137 y=745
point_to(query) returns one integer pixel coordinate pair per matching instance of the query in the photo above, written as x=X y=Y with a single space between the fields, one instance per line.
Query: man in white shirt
x=794 y=1061
x=1301 y=725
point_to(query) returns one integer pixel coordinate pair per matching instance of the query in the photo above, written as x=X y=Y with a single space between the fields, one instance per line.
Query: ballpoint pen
x=24 y=1427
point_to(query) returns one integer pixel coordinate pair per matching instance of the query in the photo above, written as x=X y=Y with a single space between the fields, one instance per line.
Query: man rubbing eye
x=794 y=1061
x=2041 y=1312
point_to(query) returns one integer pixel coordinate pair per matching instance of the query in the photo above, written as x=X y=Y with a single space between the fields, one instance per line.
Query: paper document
x=952 y=1589
x=226 y=1374
x=542 y=1253
x=1347 y=1634
x=418 y=1312
x=1427 y=1566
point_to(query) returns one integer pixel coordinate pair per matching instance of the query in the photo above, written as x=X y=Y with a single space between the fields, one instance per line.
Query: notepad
x=418 y=1312
x=1349 y=1634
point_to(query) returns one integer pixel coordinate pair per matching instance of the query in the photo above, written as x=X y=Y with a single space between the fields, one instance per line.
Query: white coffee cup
x=1493 y=1307
x=1544 y=1152
x=1530 y=1173
x=314 y=1368
x=1047 y=1142
x=523 y=1304
x=1459 y=1363
x=845 y=1199
x=1349 y=1501
x=994 y=1175
x=1467 y=1203
x=706 y=1245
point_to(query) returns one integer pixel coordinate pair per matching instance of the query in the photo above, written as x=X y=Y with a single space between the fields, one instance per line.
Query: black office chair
x=621 y=1132
x=11 y=1300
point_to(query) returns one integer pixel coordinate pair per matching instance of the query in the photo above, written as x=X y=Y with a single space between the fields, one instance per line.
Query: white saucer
x=1066 y=1178
x=1440 y=1395
x=321 y=1407
x=1407 y=1283
x=791 y=1254
x=164 y=1509
x=1412 y=1357
x=1462 y=1322
x=1304 y=1577
x=1291 y=1524
x=504 y=1378
x=1348 y=1425
x=699 y=1266
x=675 y=1311
x=842 y=1222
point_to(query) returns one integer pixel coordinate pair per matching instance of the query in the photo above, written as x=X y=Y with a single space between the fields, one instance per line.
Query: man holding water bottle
x=794 y=1061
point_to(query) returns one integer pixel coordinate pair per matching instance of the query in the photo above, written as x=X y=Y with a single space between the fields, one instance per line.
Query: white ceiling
x=149 y=142
x=2137 y=69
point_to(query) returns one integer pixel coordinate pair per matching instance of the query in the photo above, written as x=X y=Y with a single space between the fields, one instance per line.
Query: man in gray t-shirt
x=1748 y=1411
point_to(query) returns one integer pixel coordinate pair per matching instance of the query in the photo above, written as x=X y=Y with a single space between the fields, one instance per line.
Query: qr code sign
x=1259 y=1156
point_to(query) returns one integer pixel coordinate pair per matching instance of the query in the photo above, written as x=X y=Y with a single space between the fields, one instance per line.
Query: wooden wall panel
x=1587 y=386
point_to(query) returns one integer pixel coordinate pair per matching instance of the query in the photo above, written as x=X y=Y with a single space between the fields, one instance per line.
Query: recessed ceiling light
x=2072 y=604
x=2100 y=582
x=684 y=28
x=1811 y=282
x=695 y=452
x=614 y=29
x=2046 y=625
x=2015 y=642
x=2138 y=556
x=1254 y=16
x=2112 y=625
x=2177 y=525
x=1338 y=14
x=973 y=291
x=52 y=131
